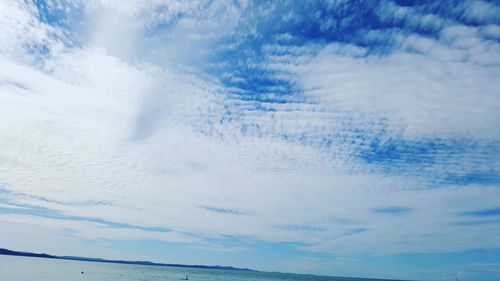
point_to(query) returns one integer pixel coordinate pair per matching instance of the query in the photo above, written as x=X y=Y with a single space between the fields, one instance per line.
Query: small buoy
x=82 y=272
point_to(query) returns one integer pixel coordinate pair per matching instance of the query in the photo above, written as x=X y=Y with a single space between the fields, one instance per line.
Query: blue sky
x=349 y=138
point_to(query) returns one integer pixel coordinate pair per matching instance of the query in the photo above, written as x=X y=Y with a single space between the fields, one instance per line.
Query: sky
x=346 y=138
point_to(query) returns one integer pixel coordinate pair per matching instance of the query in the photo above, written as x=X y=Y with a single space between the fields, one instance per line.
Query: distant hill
x=26 y=254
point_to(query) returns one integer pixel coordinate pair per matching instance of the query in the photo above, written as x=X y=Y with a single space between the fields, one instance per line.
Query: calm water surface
x=38 y=269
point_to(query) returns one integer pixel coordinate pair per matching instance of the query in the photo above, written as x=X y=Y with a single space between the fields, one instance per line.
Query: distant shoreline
x=7 y=252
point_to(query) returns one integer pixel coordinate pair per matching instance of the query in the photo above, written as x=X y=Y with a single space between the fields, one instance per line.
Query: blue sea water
x=13 y=268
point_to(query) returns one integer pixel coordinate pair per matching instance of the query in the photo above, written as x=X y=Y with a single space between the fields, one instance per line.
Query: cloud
x=480 y=11
x=393 y=210
x=23 y=32
x=219 y=122
x=224 y=211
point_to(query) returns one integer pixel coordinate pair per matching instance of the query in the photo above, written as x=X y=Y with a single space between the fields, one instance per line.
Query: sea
x=15 y=268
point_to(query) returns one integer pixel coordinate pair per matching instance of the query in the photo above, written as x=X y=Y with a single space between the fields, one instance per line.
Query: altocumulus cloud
x=326 y=125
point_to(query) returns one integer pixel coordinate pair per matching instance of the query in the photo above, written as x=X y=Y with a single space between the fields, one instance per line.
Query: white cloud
x=390 y=12
x=491 y=31
x=23 y=32
x=425 y=94
x=96 y=231
x=480 y=11
x=160 y=141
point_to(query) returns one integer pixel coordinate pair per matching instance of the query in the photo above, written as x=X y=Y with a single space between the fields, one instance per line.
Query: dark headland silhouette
x=26 y=254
